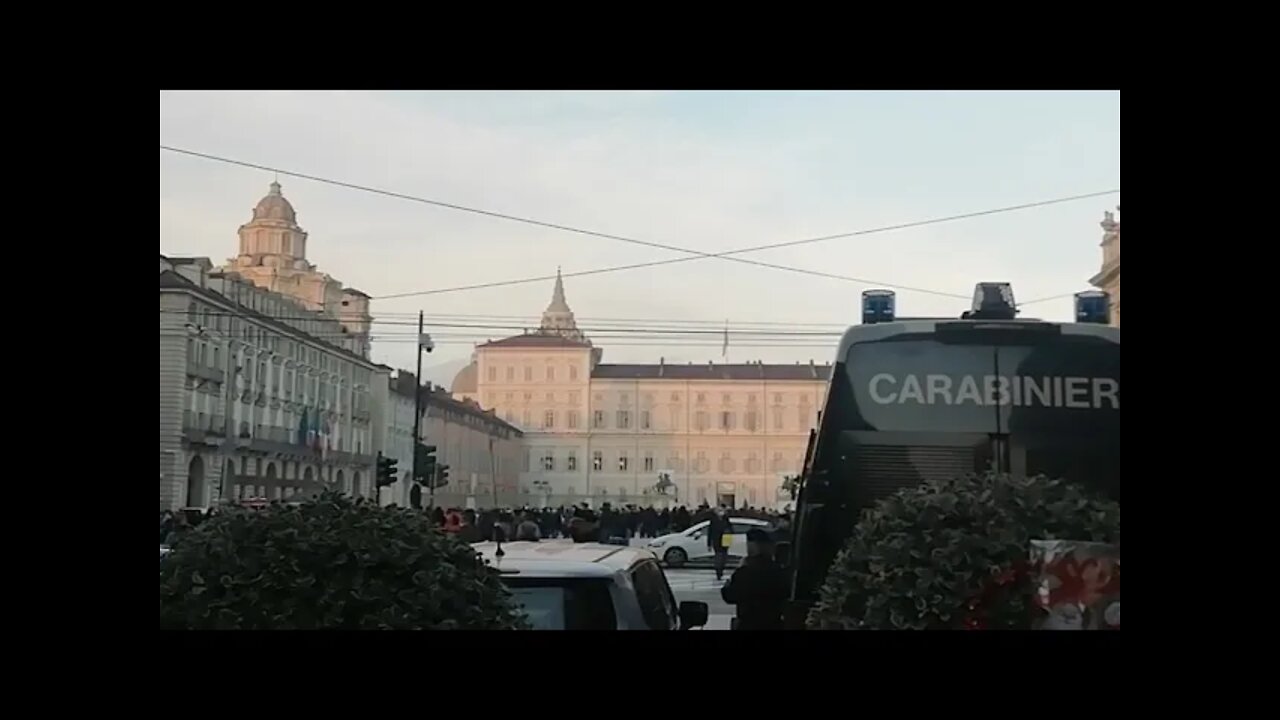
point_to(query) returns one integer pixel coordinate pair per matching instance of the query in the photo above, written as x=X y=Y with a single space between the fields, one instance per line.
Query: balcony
x=198 y=427
x=203 y=372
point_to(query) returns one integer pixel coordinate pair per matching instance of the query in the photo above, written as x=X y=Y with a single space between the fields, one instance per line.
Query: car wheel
x=675 y=557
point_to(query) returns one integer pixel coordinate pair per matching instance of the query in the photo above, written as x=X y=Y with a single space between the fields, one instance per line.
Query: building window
x=548 y=462
x=623 y=462
x=573 y=372
x=597 y=419
x=726 y=420
x=528 y=397
x=573 y=397
x=509 y=397
x=490 y=398
x=524 y=418
x=511 y=373
x=751 y=399
x=676 y=415
x=702 y=398
x=777 y=418
x=777 y=398
x=753 y=464
x=701 y=464
x=625 y=398
x=750 y=422
x=644 y=419
x=571 y=462
x=524 y=463
x=528 y=374
x=624 y=419
x=676 y=463
x=597 y=460
x=573 y=419
x=493 y=374
x=549 y=420
x=648 y=461
x=551 y=398
x=804 y=417
x=551 y=374
x=675 y=397
x=700 y=421
x=777 y=462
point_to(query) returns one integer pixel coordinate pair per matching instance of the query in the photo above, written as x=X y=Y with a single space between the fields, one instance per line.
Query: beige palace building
x=1108 y=278
x=597 y=432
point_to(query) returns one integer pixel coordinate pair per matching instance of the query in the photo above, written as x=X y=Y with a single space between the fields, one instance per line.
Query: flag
x=724 y=350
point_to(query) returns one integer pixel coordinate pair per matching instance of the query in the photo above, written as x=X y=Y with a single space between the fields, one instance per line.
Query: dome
x=464 y=381
x=274 y=207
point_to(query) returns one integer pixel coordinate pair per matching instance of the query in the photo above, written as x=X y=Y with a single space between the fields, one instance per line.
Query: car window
x=740 y=528
x=657 y=604
x=565 y=604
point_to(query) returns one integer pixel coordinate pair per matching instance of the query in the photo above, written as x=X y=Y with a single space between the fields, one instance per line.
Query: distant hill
x=442 y=374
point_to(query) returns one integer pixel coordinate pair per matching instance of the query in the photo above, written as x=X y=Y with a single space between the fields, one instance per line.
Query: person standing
x=719 y=535
x=759 y=587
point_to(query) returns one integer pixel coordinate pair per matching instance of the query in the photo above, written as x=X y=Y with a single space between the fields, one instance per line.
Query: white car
x=563 y=585
x=690 y=546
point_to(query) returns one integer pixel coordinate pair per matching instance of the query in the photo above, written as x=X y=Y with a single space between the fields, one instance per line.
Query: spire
x=557 y=319
x=558 y=303
x=275 y=188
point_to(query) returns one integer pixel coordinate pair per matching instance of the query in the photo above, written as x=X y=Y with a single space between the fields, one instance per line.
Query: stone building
x=273 y=256
x=476 y=444
x=258 y=395
x=598 y=432
x=1108 y=278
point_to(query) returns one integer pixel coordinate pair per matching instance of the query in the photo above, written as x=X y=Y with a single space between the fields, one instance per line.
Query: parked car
x=564 y=585
x=690 y=546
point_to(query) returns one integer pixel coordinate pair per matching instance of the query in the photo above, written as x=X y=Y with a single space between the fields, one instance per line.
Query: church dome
x=274 y=207
x=464 y=381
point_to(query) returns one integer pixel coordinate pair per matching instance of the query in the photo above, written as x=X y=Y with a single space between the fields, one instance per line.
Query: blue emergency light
x=877 y=306
x=1093 y=306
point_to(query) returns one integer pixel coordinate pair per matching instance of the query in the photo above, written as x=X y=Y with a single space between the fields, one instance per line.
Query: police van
x=912 y=400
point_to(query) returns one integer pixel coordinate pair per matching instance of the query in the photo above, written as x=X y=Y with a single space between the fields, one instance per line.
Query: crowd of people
x=582 y=523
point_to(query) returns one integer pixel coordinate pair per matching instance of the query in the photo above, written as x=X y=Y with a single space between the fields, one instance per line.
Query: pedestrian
x=467 y=531
x=528 y=530
x=719 y=536
x=759 y=587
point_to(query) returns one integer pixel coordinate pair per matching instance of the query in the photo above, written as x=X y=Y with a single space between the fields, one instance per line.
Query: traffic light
x=386 y=471
x=424 y=466
x=442 y=476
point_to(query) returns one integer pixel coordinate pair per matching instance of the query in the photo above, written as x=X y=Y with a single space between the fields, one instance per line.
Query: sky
x=706 y=171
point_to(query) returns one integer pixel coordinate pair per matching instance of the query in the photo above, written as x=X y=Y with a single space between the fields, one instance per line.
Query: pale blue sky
x=705 y=170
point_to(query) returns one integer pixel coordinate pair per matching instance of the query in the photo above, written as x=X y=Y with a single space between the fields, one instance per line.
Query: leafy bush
x=953 y=554
x=332 y=563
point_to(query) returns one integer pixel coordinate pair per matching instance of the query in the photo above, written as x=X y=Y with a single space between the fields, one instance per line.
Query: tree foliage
x=953 y=554
x=331 y=563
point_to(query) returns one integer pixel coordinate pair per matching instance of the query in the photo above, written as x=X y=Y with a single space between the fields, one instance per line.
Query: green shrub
x=332 y=563
x=954 y=554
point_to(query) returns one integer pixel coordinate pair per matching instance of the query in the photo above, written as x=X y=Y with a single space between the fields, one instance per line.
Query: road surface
x=696 y=584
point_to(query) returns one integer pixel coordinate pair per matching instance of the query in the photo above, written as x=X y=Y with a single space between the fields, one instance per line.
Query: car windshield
x=564 y=604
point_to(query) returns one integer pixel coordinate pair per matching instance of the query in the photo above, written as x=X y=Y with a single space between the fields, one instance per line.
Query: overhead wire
x=694 y=254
